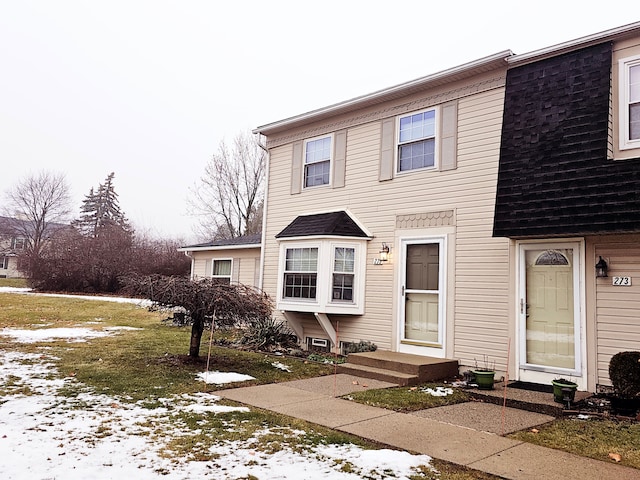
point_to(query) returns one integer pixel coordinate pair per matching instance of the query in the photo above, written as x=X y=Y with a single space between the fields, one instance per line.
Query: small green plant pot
x=564 y=390
x=484 y=379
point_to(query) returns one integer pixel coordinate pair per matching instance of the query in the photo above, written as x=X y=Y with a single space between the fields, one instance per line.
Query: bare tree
x=228 y=198
x=203 y=300
x=38 y=203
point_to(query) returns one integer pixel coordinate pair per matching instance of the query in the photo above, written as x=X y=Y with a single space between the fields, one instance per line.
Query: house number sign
x=622 y=281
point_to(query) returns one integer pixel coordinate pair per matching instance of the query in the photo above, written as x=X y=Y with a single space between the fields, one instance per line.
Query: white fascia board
x=218 y=247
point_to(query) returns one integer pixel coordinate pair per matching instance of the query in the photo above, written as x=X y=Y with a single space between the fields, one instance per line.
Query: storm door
x=549 y=306
x=421 y=297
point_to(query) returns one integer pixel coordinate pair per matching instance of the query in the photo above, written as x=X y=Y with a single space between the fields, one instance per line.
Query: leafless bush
x=208 y=298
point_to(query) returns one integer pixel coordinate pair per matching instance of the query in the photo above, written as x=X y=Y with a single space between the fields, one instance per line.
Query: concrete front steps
x=400 y=368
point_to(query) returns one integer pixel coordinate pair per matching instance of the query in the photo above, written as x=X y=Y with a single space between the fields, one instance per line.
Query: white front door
x=550 y=340
x=421 y=326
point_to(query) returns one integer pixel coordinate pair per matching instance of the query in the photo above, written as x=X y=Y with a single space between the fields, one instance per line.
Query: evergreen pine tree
x=101 y=209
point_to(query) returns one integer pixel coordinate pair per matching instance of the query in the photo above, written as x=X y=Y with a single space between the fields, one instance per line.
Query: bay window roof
x=339 y=224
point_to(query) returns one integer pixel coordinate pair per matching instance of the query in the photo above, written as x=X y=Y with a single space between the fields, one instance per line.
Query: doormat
x=534 y=387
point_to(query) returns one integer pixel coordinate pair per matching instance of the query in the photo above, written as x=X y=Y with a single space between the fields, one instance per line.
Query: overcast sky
x=149 y=89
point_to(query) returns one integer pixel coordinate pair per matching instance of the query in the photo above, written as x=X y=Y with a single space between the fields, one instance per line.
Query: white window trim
x=623 y=102
x=356 y=274
x=438 y=349
x=324 y=302
x=436 y=147
x=283 y=265
x=213 y=264
x=304 y=161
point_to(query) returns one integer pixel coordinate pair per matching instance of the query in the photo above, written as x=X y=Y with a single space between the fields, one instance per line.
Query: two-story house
x=463 y=214
x=12 y=244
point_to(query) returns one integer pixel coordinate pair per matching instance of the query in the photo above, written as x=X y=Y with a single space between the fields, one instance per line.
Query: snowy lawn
x=54 y=426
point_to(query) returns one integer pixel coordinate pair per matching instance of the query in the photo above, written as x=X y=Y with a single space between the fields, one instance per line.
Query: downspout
x=188 y=254
x=264 y=212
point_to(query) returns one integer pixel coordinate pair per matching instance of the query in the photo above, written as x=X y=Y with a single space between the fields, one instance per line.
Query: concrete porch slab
x=485 y=417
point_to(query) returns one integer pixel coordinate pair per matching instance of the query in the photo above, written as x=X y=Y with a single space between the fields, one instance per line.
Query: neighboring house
x=11 y=246
x=462 y=215
x=235 y=260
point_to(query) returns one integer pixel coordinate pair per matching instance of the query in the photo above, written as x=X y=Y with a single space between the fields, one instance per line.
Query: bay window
x=322 y=275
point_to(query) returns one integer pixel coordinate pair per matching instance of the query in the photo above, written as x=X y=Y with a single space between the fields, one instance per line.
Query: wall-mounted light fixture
x=601 y=268
x=384 y=252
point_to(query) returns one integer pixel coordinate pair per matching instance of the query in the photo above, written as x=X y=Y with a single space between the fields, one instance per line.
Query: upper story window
x=630 y=103
x=222 y=270
x=317 y=161
x=17 y=243
x=417 y=140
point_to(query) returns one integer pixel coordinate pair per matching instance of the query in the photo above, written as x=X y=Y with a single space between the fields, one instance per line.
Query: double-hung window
x=17 y=243
x=4 y=263
x=416 y=141
x=343 y=274
x=317 y=161
x=630 y=103
x=300 y=273
x=222 y=270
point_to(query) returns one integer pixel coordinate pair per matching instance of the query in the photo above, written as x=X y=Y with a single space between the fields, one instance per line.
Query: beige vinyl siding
x=244 y=263
x=617 y=308
x=481 y=263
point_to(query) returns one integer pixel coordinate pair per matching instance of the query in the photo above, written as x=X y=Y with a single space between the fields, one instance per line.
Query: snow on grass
x=72 y=334
x=28 y=291
x=220 y=378
x=49 y=334
x=46 y=435
x=281 y=366
x=438 y=391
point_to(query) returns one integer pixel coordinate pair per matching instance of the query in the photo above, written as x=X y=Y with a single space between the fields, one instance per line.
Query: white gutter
x=574 y=44
x=218 y=247
x=387 y=92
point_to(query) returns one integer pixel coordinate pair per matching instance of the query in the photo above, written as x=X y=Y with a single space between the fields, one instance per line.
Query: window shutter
x=208 y=268
x=296 y=168
x=449 y=136
x=387 y=144
x=235 y=270
x=339 y=158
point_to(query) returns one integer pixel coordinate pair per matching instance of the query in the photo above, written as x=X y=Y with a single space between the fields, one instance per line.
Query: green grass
x=151 y=364
x=407 y=399
x=594 y=438
x=13 y=282
x=141 y=364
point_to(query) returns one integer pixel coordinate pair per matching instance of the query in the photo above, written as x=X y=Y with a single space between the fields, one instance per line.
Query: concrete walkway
x=455 y=433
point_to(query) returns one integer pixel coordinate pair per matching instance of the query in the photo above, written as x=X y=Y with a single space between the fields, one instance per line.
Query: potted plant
x=484 y=376
x=564 y=391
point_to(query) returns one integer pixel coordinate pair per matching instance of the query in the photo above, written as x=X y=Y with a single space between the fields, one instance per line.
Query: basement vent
x=318 y=344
